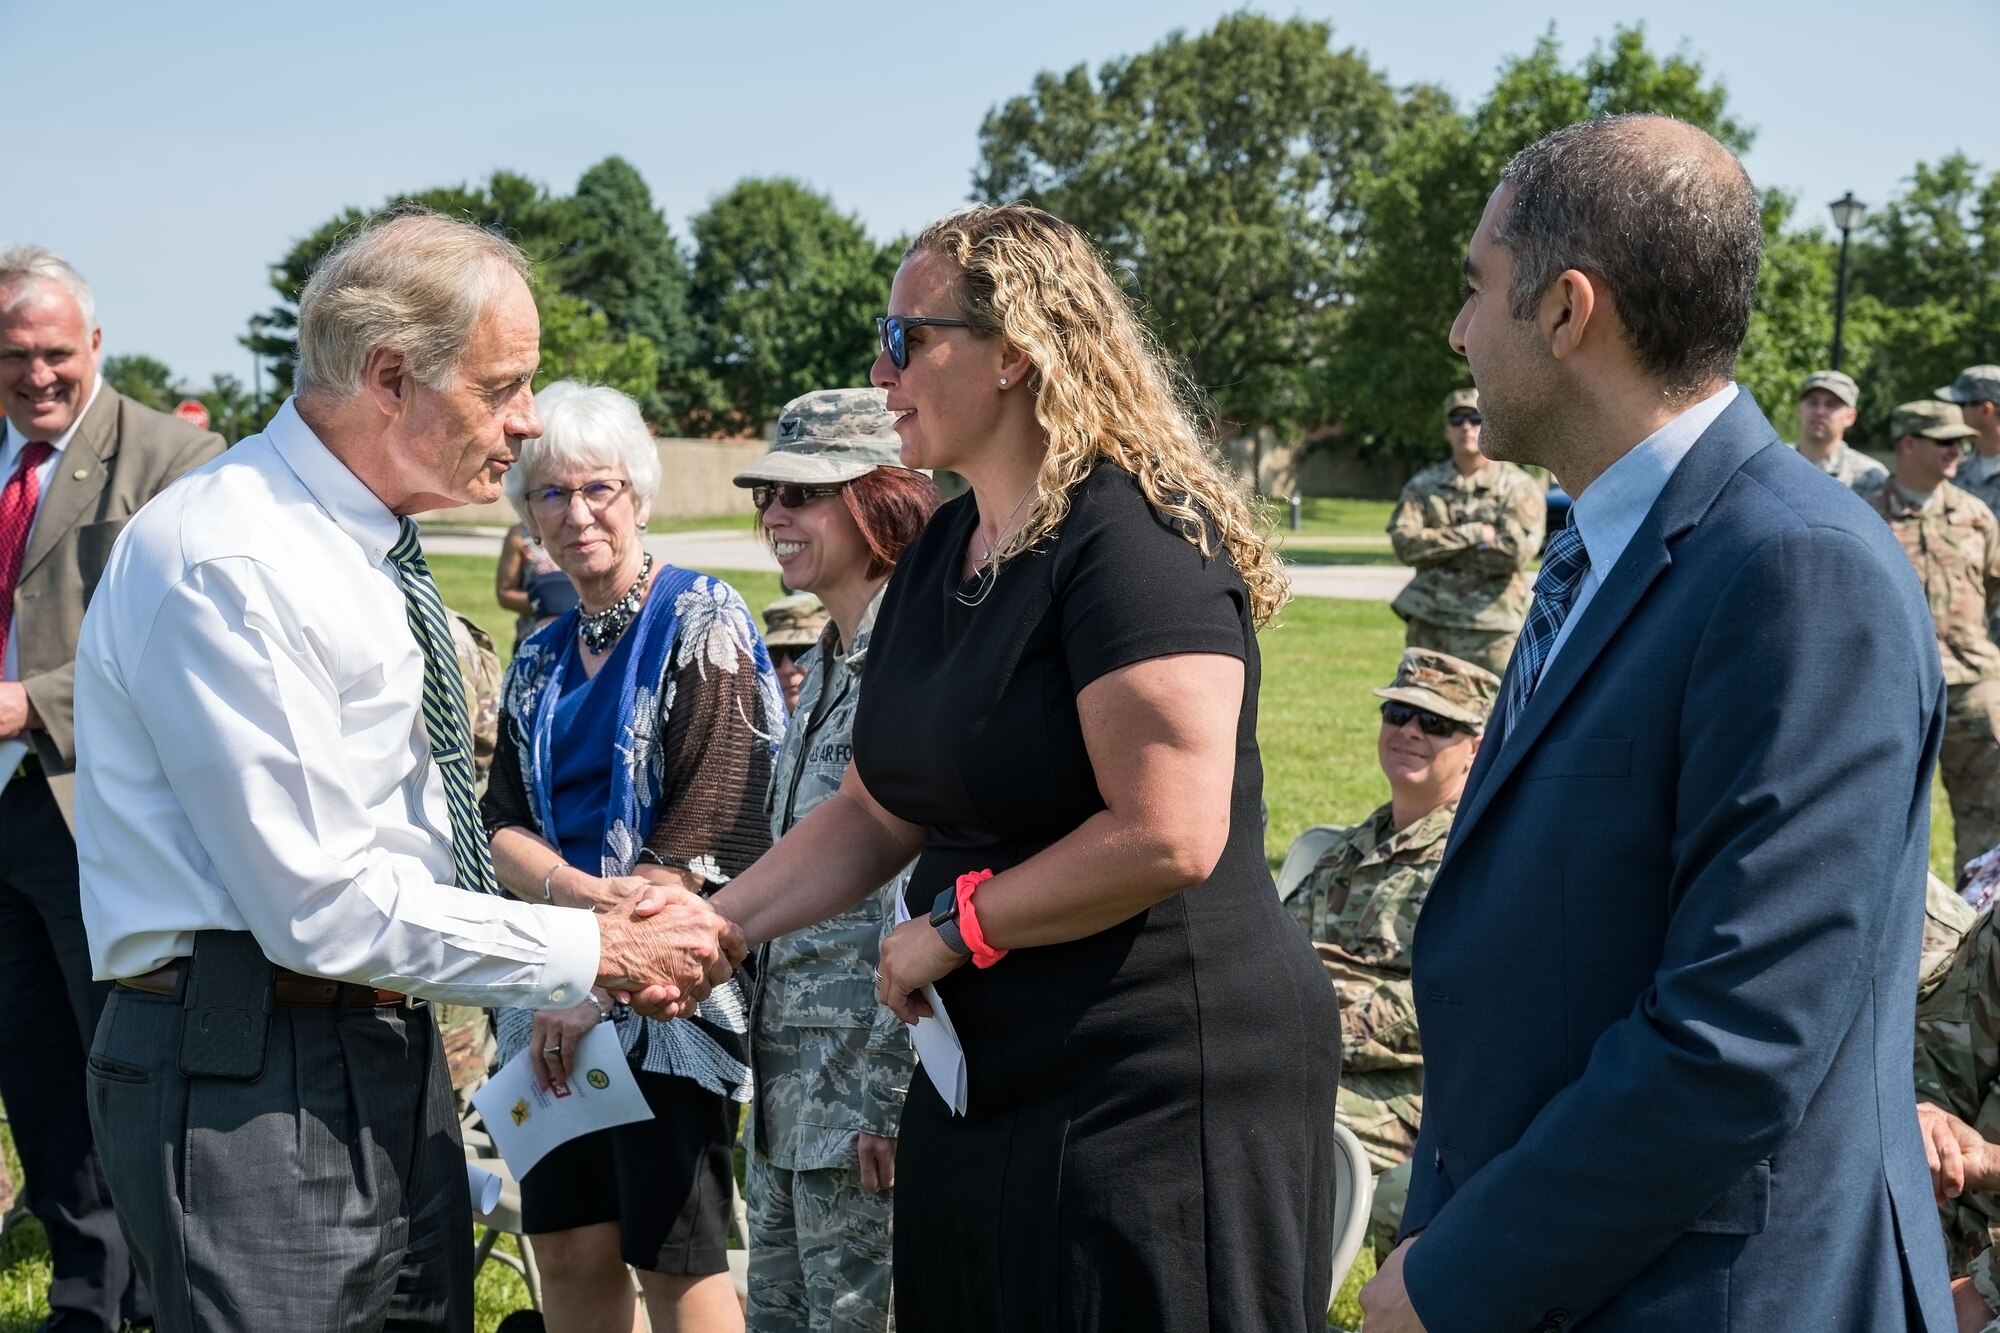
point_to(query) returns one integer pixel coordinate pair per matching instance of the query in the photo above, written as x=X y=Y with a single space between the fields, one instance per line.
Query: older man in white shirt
x=276 y=828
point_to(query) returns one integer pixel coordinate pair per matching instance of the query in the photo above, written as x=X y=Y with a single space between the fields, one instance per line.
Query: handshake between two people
x=662 y=948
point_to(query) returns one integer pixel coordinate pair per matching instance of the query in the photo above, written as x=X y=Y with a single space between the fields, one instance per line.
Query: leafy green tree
x=1219 y=175
x=785 y=291
x=1924 y=290
x=232 y=412
x=578 y=344
x=509 y=205
x=142 y=379
x=622 y=261
x=1391 y=365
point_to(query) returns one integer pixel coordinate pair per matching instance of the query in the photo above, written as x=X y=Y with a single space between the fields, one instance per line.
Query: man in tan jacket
x=76 y=460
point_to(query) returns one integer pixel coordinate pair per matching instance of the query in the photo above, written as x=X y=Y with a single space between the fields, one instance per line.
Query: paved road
x=721 y=550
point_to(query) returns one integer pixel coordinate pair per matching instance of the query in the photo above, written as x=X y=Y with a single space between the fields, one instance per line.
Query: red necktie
x=17 y=515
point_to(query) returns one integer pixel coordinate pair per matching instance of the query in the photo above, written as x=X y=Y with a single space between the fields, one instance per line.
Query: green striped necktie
x=444 y=711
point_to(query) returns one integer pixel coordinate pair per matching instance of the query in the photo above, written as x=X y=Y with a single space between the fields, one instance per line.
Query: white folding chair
x=1353 y=1195
x=1304 y=854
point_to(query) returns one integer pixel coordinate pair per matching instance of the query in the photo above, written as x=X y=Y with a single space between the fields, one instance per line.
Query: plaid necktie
x=17 y=516
x=444 y=711
x=1563 y=568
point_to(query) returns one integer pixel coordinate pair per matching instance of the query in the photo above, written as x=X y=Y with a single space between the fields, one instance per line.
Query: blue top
x=583 y=743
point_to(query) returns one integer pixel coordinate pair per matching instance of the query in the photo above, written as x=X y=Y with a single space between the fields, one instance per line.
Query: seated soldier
x=1359 y=904
x=1958 y=1106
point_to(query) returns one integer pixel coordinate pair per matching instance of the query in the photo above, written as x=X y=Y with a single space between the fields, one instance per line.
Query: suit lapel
x=80 y=476
x=1717 y=456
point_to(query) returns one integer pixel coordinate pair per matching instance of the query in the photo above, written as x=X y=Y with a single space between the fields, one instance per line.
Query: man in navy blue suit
x=1666 y=976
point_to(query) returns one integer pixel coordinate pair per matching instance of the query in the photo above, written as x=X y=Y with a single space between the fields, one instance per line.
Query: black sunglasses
x=891 y=331
x=791 y=495
x=1396 y=715
x=1465 y=419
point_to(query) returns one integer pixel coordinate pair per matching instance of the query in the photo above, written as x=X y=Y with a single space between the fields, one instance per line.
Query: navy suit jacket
x=1666 y=976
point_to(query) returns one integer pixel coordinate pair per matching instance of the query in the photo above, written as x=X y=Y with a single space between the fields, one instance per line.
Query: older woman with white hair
x=636 y=740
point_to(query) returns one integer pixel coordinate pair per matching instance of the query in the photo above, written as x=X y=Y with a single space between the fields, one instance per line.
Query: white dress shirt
x=252 y=755
x=12 y=442
x=1608 y=513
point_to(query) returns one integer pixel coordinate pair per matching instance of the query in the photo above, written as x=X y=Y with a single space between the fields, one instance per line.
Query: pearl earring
x=1003 y=382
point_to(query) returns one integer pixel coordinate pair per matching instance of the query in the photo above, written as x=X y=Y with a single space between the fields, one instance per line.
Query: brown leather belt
x=290 y=988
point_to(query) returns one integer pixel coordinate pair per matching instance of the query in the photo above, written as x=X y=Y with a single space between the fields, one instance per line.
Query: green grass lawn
x=1334 y=516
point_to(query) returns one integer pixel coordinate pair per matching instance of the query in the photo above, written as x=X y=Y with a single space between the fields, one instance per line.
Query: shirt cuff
x=571 y=968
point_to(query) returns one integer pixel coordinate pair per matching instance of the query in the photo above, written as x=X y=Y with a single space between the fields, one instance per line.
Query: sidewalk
x=723 y=549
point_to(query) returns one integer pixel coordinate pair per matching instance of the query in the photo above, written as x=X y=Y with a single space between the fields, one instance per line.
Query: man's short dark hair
x=1660 y=212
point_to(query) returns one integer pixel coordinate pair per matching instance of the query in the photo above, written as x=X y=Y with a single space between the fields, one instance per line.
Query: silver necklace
x=601 y=629
x=988 y=573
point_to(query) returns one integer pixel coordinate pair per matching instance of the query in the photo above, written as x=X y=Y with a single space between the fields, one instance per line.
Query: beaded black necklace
x=601 y=629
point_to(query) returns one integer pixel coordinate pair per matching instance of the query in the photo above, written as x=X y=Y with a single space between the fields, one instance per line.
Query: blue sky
x=173 y=151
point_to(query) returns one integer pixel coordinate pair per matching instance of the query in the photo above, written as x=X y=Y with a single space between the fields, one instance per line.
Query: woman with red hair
x=832 y=1066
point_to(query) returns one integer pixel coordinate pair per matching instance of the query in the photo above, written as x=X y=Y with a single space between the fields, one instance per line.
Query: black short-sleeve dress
x=1148 y=1140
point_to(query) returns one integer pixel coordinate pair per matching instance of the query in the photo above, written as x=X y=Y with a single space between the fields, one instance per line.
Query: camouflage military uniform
x=1469 y=596
x=1979 y=477
x=467 y=1030
x=1854 y=469
x=1958 y=1068
x=1359 y=906
x=831 y=1062
x=1954 y=542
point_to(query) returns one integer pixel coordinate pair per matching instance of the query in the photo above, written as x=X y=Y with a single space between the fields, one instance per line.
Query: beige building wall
x=694 y=483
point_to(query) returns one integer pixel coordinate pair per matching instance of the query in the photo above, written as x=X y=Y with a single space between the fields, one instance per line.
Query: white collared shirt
x=12 y=442
x=252 y=755
x=1609 y=512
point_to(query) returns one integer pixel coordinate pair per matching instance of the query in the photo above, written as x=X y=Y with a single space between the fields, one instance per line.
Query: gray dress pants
x=329 y=1193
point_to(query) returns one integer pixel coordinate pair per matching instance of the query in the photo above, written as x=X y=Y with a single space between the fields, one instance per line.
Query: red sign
x=192 y=412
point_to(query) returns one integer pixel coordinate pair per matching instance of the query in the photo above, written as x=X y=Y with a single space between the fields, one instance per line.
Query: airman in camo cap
x=1929 y=420
x=1461 y=400
x=829 y=436
x=1977 y=393
x=1826 y=413
x=1448 y=686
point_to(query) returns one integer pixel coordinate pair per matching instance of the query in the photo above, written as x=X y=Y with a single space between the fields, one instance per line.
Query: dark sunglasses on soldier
x=892 y=329
x=790 y=495
x=1397 y=715
x=1465 y=419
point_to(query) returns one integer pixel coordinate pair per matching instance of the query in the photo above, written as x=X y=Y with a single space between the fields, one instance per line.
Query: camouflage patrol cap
x=794 y=622
x=1930 y=419
x=1440 y=683
x=1459 y=399
x=1975 y=384
x=827 y=436
x=1841 y=386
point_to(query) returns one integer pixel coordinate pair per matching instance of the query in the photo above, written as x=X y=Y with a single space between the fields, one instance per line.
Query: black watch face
x=945 y=908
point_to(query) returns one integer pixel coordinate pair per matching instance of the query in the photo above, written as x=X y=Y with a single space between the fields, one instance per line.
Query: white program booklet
x=526 y=1120
x=937 y=1045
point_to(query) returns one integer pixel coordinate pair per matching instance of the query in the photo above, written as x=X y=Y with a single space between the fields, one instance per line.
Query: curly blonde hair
x=1103 y=388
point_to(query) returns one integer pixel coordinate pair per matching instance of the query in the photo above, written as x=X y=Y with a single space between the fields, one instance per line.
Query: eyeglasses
x=791 y=495
x=553 y=501
x=1398 y=715
x=1464 y=419
x=891 y=331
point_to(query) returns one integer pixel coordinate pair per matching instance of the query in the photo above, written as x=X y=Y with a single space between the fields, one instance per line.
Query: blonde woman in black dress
x=1062 y=731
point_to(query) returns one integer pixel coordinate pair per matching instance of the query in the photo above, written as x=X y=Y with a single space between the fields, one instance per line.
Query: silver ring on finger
x=551 y=1050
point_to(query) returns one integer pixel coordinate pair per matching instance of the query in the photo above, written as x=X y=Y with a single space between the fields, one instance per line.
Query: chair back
x=1353 y=1195
x=1305 y=853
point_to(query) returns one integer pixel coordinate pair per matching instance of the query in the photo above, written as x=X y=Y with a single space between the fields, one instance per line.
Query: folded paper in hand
x=937 y=1045
x=526 y=1120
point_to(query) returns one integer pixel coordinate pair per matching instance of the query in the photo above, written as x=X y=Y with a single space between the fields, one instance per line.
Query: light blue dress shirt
x=1608 y=513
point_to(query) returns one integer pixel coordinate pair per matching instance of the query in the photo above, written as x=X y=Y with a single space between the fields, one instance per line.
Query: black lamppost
x=1847 y=214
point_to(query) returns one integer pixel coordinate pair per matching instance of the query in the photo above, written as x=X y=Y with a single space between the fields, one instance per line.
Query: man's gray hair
x=1660 y=212
x=413 y=281
x=592 y=424
x=24 y=269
